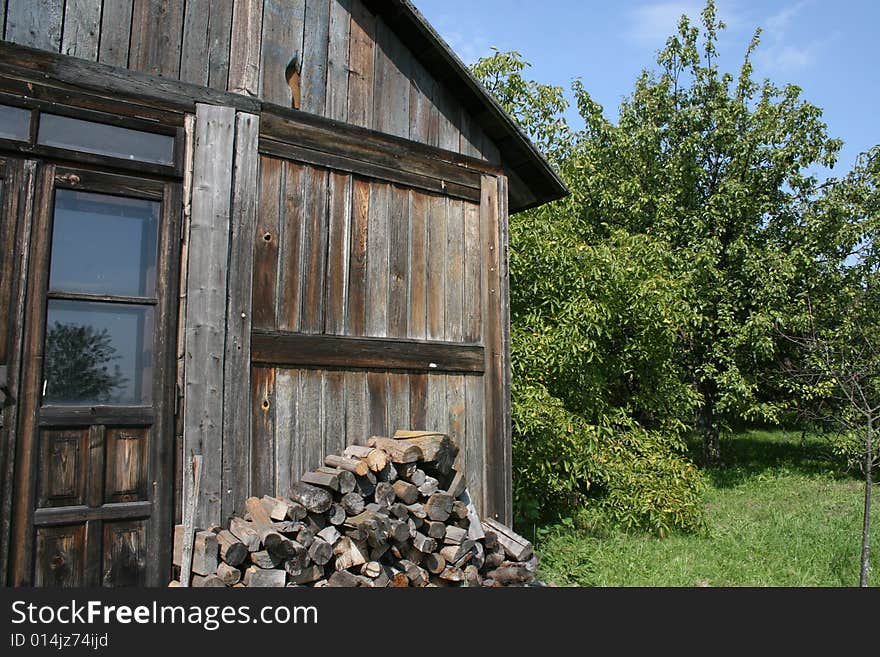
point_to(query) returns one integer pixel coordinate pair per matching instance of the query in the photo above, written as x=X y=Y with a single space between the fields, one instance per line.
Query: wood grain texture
x=361 y=65
x=156 y=36
x=356 y=313
x=207 y=30
x=336 y=106
x=472 y=327
x=399 y=262
x=244 y=55
x=293 y=227
x=456 y=409
x=398 y=402
x=504 y=389
x=356 y=409
x=82 y=28
x=115 y=32
x=418 y=401
x=424 y=116
x=391 y=84
x=377 y=261
x=338 y=254
x=288 y=456
x=282 y=47
x=437 y=417
x=237 y=357
x=206 y=301
x=60 y=556
x=314 y=253
x=475 y=443
x=314 y=58
x=266 y=240
x=454 y=289
x=436 y=274
x=35 y=24
x=418 y=266
x=263 y=437
x=311 y=424
x=377 y=401
x=334 y=412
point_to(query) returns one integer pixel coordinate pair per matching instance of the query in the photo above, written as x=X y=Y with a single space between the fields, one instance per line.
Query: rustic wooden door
x=94 y=464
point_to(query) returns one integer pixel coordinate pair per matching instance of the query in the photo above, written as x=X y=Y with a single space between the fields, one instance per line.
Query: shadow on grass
x=750 y=454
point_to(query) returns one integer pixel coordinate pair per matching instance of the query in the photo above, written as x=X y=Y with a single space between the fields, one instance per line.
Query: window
x=15 y=123
x=102 y=139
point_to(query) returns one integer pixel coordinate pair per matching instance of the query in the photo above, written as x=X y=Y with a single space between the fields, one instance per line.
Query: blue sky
x=829 y=48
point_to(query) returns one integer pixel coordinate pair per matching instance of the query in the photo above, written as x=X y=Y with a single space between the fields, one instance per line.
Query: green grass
x=778 y=514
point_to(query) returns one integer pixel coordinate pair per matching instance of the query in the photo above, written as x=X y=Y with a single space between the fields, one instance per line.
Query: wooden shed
x=254 y=230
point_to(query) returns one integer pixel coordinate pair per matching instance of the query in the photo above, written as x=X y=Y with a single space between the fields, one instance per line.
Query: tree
x=78 y=359
x=716 y=169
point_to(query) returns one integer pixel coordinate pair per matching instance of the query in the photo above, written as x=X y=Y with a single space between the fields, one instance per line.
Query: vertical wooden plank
x=436 y=414
x=82 y=20
x=504 y=320
x=156 y=35
x=377 y=399
x=361 y=65
x=471 y=136
x=455 y=405
x=263 y=437
x=454 y=270
x=337 y=60
x=310 y=436
x=314 y=63
x=292 y=228
x=424 y=116
x=356 y=312
x=391 y=86
x=398 y=402
x=334 y=413
x=473 y=275
x=436 y=270
x=115 y=32
x=314 y=250
x=448 y=113
x=206 y=301
x=357 y=416
x=418 y=401
x=207 y=29
x=377 y=260
x=244 y=54
x=3 y=4
x=266 y=239
x=398 y=271
x=475 y=444
x=237 y=358
x=282 y=48
x=338 y=254
x=288 y=460
x=35 y=24
x=418 y=266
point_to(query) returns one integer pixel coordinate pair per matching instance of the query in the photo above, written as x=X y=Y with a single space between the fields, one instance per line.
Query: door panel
x=94 y=476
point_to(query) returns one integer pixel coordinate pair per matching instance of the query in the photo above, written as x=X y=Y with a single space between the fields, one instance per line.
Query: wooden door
x=94 y=467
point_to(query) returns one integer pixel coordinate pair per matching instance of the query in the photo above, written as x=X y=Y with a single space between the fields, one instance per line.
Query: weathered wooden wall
x=346 y=62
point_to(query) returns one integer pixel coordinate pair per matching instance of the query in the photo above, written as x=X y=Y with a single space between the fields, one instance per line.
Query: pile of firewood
x=392 y=513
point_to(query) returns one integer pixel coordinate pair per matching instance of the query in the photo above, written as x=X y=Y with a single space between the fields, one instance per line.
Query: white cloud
x=652 y=24
x=779 y=53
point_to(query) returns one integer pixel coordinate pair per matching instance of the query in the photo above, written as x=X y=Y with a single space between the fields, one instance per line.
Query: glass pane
x=15 y=123
x=98 y=353
x=104 y=244
x=102 y=139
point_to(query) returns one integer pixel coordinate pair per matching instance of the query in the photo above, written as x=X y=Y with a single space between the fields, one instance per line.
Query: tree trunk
x=869 y=483
x=709 y=427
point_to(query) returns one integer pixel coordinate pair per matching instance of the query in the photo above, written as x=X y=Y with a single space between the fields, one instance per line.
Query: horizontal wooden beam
x=67 y=515
x=81 y=416
x=335 y=352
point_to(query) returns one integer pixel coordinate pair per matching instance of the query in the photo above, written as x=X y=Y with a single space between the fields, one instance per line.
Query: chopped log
x=413 y=554
x=399 y=511
x=232 y=551
x=175 y=584
x=399 y=531
x=345 y=480
x=205 y=553
x=439 y=506
x=342 y=579
x=454 y=535
x=429 y=486
x=388 y=473
x=493 y=559
x=177 y=549
x=479 y=554
x=324 y=479
x=399 y=581
x=245 y=532
x=289 y=527
x=532 y=564
x=434 y=529
x=371 y=569
x=285 y=549
x=459 y=510
x=259 y=513
x=398 y=451
x=320 y=551
x=353 y=466
x=515 y=546
x=376 y=553
x=475 y=527
x=348 y=554
x=207 y=581
x=366 y=485
x=330 y=535
x=375 y=458
x=308 y=575
x=472 y=576
x=264 y=559
x=457 y=486
x=305 y=537
x=336 y=515
x=316 y=500
x=229 y=575
x=490 y=538
x=417 y=510
x=452 y=553
x=424 y=543
x=434 y=562
x=417 y=577
x=434 y=447
x=286 y=509
x=267 y=579
x=405 y=491
x=352 y=503
x=452 y=574
x=507 y=575
x=402 y=434
x=384 y=494
x=295 y=566
x=315 y=521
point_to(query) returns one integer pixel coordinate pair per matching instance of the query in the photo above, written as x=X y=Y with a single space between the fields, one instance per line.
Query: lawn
x=778 y=514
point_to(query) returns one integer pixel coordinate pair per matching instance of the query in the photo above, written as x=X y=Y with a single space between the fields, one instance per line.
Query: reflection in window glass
x=14 y=123
x=98 y=353
x=104 y=244
x=102 y=139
